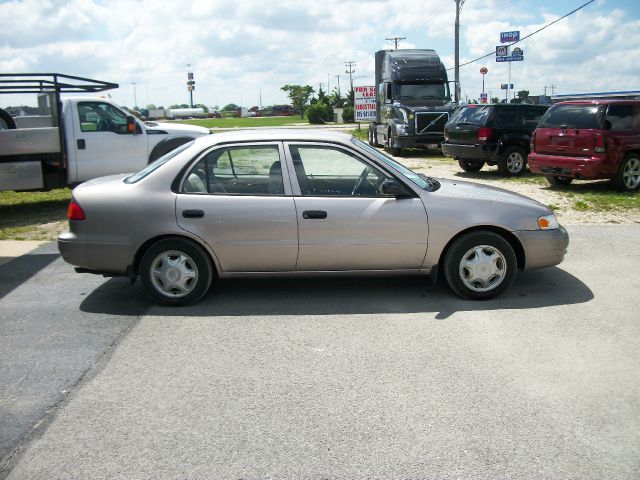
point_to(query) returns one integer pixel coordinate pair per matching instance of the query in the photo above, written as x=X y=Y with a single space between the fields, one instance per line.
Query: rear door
x=344 y=221
x=237 y=199
x=569 y=130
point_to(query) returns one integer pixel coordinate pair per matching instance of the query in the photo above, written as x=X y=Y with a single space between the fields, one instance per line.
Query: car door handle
x=192 y=213
x=81 y=144
x=314 y=214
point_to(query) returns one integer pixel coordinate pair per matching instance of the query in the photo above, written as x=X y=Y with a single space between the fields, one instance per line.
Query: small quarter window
x=619 y=117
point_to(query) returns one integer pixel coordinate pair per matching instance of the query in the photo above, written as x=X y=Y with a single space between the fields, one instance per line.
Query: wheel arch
x=520 y=142
x=504 y=233
x=166 y=145
x=173 y=236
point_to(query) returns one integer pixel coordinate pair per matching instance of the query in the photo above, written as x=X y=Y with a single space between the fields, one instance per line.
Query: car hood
x=176 y=128
x=484 y=192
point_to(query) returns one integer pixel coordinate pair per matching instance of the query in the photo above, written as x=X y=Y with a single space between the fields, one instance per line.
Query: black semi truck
x=413 y=100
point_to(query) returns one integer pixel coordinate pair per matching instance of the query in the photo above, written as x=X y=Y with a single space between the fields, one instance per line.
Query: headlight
x=548 y=222
x=401 y=129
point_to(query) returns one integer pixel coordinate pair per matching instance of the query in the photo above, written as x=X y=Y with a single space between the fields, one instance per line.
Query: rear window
x=472 y=114
x=573 y=116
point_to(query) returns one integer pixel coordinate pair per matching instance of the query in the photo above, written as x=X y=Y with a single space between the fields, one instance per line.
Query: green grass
x=245 y=122
x=606 y=201
x=22 y=214
x=361 y=134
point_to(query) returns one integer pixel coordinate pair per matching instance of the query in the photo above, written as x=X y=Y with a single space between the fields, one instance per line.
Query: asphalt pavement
x=327 y=378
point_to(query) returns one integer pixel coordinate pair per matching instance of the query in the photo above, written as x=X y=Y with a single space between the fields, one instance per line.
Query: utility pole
x=190 y=84
x=320 y=84
x=459 y=4
x=338 y=77
x=553 y=89
x=350 y=64
x=135 y=99
x=328 y=87
x=395 y=40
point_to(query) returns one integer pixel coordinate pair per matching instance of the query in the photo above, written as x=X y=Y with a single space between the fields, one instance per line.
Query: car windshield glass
x=136 y=177
x=472 y=114
x=410 y=91
x=573 y=116
x=426 y=183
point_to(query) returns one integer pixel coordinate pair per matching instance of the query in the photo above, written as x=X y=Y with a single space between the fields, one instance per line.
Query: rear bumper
x=543 y=248
x=109 y=258
x=575 y=167
x=472 y=152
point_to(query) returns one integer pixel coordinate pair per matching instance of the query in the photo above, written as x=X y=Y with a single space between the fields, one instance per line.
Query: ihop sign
x=509 y=37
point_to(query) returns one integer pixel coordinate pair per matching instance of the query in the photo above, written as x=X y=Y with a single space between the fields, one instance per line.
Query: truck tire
x=395 y=150
x=6 y=121
x=166 y=145
x=374 y=136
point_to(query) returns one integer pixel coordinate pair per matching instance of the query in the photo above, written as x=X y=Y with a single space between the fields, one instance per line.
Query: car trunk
x=569 y=130
x=569 y=142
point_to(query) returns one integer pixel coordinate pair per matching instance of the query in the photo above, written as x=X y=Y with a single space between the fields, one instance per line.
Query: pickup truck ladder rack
x=47 y=82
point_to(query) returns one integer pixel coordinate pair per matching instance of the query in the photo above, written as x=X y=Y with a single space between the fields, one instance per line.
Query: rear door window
x=573 y=116
x=619 y=117
x=507 y=118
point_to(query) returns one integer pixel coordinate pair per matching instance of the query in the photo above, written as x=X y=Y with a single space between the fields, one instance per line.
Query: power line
x=527 y=36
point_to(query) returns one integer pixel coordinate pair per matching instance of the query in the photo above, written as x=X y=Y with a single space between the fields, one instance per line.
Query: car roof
x=601 y=101
x=274 y=134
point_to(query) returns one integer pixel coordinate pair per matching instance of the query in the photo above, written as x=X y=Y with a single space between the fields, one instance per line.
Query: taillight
x=75 y=212
x=532 y=142
x=484 y=133
x=600 y=146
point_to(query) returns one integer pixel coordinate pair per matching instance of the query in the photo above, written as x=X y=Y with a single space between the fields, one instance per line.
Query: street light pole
x=459 y=4
x=135 y=98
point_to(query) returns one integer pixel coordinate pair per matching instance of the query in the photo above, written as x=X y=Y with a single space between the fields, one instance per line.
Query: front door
x=103 y=145
x=237 y=199
x=344 y=221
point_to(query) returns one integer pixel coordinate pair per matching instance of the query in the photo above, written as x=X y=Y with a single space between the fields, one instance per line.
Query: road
x=323 y=379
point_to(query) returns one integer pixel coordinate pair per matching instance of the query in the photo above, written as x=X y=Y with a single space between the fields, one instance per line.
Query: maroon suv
x=589 y=140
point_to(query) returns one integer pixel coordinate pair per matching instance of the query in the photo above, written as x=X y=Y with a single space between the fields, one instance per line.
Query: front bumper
x=415 y=141
x=110 y=258
x=543 y=248
x=471 y=152
x=589 y=168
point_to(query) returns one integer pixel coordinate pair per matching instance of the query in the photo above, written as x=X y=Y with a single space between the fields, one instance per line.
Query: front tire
x=628 y=177
x=470 y=165
x=176 y=272
x=6 y=121
x=480 y=265
x=395 y=151
x=512 y=162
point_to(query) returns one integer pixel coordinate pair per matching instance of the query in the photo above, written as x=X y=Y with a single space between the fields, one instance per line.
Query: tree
x=495 y=100
x=320 y=112
x=231 y=107
x=202 y=106
x=335 y=99
x=151 y=106
x=523 y=94
x=299 y=95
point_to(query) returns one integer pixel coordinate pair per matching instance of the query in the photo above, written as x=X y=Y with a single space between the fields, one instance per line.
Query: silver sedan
x=299 y=202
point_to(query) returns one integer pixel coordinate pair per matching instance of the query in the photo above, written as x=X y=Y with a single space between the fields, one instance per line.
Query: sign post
x=483 y=72
x=502 y=54
x=364 y=108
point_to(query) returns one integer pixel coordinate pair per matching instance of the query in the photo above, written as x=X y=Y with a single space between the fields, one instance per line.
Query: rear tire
x=512 y=162
x=6 y=121
x=176 y=272
x=628 y=176
x=374 y=137
x=480 y=265
x=470 y=165
x=556 y=181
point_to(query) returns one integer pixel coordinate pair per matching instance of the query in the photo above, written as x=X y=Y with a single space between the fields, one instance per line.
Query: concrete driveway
x=323 y=379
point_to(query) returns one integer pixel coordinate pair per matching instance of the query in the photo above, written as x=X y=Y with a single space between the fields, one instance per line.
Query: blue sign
x=512 y=58
x=502 y=51
x=508 y=37
x=503 y=86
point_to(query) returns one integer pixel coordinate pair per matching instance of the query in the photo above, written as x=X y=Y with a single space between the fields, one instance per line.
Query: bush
x=347 y=114
x=320 y=113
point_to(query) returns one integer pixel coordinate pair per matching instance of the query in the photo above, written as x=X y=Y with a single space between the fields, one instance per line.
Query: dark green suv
x=493 y=134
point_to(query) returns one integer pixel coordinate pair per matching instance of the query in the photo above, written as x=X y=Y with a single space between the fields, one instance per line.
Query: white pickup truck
x=74 y=139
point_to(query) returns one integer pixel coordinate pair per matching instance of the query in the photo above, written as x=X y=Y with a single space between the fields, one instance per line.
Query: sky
x=243 y=51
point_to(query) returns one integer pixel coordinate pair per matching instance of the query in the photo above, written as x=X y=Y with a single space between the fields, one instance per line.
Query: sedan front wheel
x=176 y=272
x=480 y=265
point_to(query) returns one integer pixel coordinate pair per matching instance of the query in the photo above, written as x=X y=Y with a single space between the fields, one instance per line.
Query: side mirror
x=394 y=189
x=131 y=124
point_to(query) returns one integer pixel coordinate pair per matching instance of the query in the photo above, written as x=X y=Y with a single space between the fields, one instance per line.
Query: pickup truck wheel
x=480 y=265
x=6 y=121
x=512 y=162
x=470 y=165
x=628 y=177
x=176 y=272
x=556 y=181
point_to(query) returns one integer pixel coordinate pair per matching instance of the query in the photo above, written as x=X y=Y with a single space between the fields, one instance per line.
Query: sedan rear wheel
x=512 y=162
x=176 y=272
x=480 y=265
x=628 y=178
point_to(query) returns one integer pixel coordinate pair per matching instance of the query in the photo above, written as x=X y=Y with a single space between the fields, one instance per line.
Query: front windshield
x=425 y=183
x=136 y=177
x=421 y=91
